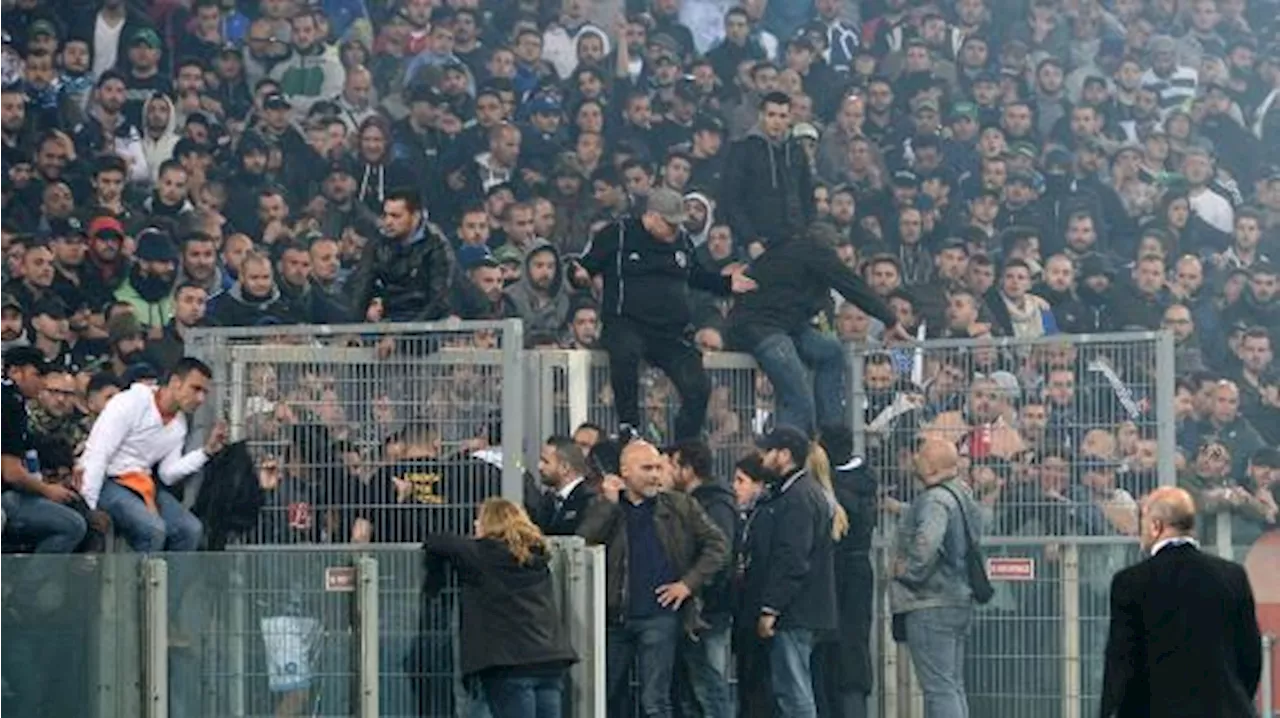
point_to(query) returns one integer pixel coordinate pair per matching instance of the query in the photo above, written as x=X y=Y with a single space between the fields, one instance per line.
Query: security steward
x=647 y=266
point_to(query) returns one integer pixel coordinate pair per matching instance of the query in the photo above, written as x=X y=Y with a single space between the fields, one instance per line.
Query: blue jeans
x=792 y=676
x=524 y=696
x=52 y=527
x=787 y=360
x=707 y=662
x=653 y=642
x=936 y=637
x=173 y=528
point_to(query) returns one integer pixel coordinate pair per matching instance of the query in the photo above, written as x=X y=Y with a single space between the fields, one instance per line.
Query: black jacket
x=509 y=615
x=411 y=278
x=230 y=499
x=563 y=520
x=767 y=189
x=645 y=280
x=718 y=501
x=695 y=548
x=790 y=568
x=1184 y=639
x=794 y=281
x=855 y=490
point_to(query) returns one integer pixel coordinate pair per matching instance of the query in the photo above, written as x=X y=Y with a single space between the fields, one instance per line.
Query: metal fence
x=372 y=432
x=324 y=631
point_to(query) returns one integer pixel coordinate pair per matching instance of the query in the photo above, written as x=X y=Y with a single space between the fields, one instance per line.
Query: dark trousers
x=628 y=343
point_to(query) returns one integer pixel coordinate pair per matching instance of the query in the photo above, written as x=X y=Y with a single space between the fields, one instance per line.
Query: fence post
x=513 y=418
x=1166 y=422
x=235 y=411
x=1267 y=691
x=1071 y=689
x=1222 y=535
x=578 y=377
x=366 y=607
x=155 y=646
x=591 y=658
x=239 y=626
x=857 y=414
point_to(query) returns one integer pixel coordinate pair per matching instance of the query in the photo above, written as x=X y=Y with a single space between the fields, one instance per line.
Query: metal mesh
x=1025 y=414
x=76 y=618
x=378 y=437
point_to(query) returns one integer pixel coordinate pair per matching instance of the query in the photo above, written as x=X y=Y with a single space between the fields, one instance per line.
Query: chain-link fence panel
x=372 y=432
x=1058 y=436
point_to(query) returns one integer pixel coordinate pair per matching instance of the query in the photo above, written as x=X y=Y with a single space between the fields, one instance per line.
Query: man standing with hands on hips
x=647 y=266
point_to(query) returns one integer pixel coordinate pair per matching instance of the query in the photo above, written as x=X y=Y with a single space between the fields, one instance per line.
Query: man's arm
x=601 y=249
x=437 y=267
x=713 y=548
x=178 y=466
x=1123 y=644
x=598 y=520
x=925 y=550
x=361 y=283
x=13 y=471
x=714 y=282
x=826 y=264
x=105 y=438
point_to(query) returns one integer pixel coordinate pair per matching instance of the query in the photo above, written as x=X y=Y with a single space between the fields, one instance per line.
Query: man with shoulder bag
x=938 y=574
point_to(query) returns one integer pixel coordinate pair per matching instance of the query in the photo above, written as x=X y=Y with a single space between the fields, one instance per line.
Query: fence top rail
x=290 y=354
x=1003 y=342
x=710 y=360
x=329 y=330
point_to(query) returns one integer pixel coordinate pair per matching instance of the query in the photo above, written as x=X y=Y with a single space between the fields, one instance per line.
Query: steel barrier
x=318 y=631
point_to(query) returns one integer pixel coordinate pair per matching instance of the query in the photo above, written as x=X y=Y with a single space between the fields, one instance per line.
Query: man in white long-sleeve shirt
x=141 y=428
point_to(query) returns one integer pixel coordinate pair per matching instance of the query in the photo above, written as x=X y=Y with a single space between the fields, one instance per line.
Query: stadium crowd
x=816 y=172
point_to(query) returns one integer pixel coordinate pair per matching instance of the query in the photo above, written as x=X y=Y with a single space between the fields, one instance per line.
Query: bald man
x=931 y=592
x=660 y=549
x=1184 y=637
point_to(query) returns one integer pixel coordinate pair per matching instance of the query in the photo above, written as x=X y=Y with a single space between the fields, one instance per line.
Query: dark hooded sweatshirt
x=768 y=189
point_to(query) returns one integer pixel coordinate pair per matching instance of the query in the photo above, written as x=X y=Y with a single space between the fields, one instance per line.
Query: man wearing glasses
x=646 y=265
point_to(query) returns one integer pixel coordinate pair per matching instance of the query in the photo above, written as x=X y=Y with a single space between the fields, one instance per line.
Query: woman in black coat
x=846 y=661
x=511 y=632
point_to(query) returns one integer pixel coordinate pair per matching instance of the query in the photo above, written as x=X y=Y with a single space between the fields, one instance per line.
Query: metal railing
x=320 y=631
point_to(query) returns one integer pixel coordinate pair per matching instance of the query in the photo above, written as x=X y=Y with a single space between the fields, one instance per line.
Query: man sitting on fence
x=138 y=429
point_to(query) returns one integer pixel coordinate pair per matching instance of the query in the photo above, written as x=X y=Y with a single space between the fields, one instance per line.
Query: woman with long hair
x=511 y=634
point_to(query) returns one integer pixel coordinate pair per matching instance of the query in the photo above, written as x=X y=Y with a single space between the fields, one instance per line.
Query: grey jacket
x=929 y=553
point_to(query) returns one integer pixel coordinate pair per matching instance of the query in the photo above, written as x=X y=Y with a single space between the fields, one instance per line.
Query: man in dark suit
x=1184 y=637
x=563 y=469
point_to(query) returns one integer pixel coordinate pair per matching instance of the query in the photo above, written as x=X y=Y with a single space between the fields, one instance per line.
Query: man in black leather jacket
x=404 y=275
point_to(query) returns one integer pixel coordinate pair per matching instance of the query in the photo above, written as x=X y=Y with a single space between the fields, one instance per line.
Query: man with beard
x=13 y=327
x=1058 y=288
x=126 y=342
x=340 y=208
x=950 y=260
x=159 y=130
x=67 y=240
x=247 y=182
x=313 y=70
x=151 y=279
x=539 y=295
x=562 y=466
x=479 y=295
x=253 y=300
x=108 y=183
x=200 y=264
x=169 y=199
x=107 y=265
x=189 y=303
x=1097 y=294
x=106 y=129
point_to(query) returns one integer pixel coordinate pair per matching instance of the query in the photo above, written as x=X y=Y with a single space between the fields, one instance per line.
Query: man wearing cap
x=150 y=284
x=647 y=267
x=789 y=585
x=341 y=210
x=50 y=332
x=1173 y=83
x=478 y=292
x=143 y=77
x=768 y=186
x=106 y=265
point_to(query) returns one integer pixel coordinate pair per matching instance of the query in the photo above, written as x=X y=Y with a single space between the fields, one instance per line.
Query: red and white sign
x=340 y=579
x=1006 y=568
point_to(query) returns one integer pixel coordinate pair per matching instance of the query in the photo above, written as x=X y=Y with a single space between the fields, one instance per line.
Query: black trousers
x=628 y=343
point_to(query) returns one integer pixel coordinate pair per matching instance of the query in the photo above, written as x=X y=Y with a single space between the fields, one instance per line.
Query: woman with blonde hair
x=511 y=632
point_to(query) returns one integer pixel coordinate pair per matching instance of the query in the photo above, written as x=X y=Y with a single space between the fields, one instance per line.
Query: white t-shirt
x=106 y=45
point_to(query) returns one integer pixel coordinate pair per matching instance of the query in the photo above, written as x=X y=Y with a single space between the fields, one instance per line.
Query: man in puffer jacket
x=403 y=275
x=768 y=188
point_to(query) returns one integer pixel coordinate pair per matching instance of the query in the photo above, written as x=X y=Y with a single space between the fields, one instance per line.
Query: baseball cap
x=106 y=228
x=544 y=105
x=10 y=302
x=471 y=256
x=146 y=36
x=926 y=106
x=1161 y=43
x=667 y=204
x=964 y=109
x=805 y=130
x=276 y=101
x=41 y=27
x=708 y=123
x=69 y=227
x=507 y=254
x=789 y=438
x=905 y=178
x=51 y=307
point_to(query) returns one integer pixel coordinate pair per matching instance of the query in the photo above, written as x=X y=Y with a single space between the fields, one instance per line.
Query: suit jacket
x=1184 y=639
x=564 y=520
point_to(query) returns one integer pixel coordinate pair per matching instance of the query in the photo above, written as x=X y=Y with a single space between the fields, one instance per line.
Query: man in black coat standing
x=648 y=267
x=706 y=659
x=563 y=469
x=1184 y=635
x=790 y=576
